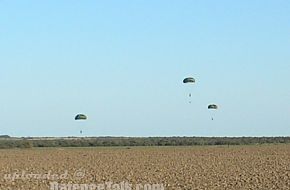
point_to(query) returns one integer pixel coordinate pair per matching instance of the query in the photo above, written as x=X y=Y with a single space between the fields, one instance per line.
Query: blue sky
x=122 y=63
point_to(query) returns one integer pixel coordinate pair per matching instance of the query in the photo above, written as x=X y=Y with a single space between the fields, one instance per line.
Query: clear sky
x=122 y=64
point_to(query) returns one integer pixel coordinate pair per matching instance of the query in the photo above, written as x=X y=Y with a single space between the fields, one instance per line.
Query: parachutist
x=80 y=117
x=189 y=80
x=212 y=107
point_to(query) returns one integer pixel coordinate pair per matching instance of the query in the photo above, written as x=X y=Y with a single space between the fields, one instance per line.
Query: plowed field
x=213 y=167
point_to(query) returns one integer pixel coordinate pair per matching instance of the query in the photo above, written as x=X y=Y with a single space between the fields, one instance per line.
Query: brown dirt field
x=216 y=167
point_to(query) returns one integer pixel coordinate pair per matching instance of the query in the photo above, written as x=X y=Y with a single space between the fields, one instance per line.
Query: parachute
x=80 y=117
x=189 y=80
x=212 y=107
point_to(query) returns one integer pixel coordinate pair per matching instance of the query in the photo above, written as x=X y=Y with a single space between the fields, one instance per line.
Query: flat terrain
x=209 y=167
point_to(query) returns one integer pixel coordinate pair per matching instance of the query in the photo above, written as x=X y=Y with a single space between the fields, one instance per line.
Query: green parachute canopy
x=212 y=106
x=80 y=117
x=189 y=80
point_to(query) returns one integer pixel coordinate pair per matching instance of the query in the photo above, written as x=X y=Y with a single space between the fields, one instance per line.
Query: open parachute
x=80 y=117
x=189 y=80
x=212 y=107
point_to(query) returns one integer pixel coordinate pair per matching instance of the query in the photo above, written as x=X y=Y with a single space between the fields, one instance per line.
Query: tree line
x=137 y=141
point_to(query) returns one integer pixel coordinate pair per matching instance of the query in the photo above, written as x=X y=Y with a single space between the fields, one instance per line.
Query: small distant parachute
x=212 y=106
x=189 y=80
x=80 y=117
